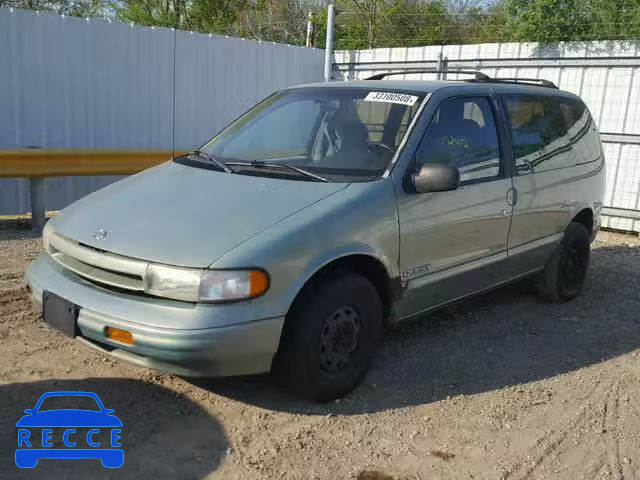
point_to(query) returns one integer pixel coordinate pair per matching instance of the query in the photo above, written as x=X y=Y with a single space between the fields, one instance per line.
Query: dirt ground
x=499 y=387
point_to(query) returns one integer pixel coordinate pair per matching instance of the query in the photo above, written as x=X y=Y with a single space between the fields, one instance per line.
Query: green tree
x=161 y=13
x=214 y=16
x=566 y=20
x=548 y=20
x=373 y=23
x=77 y=8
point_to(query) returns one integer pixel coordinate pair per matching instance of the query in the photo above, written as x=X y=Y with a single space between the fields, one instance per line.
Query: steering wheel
x=382 y=146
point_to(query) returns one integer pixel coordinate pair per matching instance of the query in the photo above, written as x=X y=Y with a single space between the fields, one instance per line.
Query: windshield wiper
x=281 y=166
x=206 y=156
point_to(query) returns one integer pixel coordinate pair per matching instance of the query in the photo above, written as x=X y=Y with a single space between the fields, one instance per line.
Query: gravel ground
x=499 y=387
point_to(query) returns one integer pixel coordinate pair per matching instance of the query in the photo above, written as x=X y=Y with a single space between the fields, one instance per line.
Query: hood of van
x=181 y=215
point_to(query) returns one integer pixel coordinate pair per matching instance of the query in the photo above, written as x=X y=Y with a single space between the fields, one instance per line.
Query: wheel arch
x=363 y=263
x=584 y=216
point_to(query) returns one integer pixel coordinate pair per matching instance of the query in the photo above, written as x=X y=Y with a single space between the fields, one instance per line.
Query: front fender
x=318 y=263
x=358 y=220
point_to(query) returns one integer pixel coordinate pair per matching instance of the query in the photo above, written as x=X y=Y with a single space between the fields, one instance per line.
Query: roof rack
x=532 y=81
x=477 y=77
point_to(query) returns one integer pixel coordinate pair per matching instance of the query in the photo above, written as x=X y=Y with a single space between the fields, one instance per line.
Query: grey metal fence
x=89 y=84
x=605 y=74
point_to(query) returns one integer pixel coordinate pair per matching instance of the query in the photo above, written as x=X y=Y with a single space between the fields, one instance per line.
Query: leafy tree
x=548 y=20
x=162 y=13
x=373 y=23
x=77 y=8
x=566 y=20
x=214 y=16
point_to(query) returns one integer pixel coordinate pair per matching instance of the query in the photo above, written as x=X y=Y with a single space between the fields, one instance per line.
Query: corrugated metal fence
x=73 y=83
x=605 y=74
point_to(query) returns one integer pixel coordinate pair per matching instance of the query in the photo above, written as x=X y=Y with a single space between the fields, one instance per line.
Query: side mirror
x=109 y=411
x=29 y=411
x=436 y=178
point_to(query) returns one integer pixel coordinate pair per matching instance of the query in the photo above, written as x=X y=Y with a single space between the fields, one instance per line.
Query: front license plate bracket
x=60 y=314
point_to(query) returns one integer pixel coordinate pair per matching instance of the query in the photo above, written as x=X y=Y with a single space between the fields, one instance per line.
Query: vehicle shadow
x=493 y=341
x=164 y=435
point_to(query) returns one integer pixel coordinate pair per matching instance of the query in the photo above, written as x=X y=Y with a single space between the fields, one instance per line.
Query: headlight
x=195 y=285
x=47 y=231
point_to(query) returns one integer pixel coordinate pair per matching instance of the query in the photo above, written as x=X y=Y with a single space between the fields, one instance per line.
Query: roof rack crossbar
x=479 y=76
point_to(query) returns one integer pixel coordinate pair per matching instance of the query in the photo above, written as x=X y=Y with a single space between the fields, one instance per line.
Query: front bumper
x=176 y=337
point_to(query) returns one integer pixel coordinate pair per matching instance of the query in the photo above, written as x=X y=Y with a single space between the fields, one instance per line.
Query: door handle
x=512 y=197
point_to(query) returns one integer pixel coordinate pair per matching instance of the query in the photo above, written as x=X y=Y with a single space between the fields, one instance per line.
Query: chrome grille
x=96 y=265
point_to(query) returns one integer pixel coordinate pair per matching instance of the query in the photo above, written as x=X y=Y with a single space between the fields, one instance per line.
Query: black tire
x=330 y=337
x=563 y=276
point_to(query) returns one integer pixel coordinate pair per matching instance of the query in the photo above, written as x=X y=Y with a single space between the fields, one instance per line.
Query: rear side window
x=581 y=131
x=540 y=132
x=463 y=133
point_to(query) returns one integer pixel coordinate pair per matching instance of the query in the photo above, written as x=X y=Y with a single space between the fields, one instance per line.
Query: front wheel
x=330 y=337
x=564 y=274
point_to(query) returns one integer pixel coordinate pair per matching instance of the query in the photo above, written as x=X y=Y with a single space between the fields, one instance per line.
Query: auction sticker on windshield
x=390 y=97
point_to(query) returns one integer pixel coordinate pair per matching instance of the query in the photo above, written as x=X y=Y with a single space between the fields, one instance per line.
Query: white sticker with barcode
x=391 y=97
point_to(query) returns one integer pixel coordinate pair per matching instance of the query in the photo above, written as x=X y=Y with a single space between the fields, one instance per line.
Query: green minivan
x=289 y=241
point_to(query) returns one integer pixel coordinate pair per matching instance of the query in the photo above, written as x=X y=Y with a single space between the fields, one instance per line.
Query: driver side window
x=462 y=133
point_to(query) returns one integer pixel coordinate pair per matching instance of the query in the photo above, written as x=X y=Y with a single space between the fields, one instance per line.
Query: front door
x=451 y=242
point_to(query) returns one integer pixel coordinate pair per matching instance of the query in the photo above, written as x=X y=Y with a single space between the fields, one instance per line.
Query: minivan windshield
x=329 y=134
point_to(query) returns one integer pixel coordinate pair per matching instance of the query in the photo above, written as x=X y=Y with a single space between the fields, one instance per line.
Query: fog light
x=118 y=335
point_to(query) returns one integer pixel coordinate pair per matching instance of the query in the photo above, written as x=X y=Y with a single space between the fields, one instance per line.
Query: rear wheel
x=330 y=337
x=563 y=276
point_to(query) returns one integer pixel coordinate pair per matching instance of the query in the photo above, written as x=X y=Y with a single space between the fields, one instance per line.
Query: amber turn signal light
x=118 y=335
x=258 y=283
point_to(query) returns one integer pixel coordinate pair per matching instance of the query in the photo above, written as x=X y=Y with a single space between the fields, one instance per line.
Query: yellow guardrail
x=37 y=164
x=34 y=163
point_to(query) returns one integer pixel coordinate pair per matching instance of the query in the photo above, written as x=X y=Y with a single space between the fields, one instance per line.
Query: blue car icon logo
x=87 y=431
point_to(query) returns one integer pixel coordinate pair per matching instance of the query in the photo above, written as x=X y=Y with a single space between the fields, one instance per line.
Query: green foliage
x=566 y=20
x=152 y=12
x=77 y=8
x=373 y=23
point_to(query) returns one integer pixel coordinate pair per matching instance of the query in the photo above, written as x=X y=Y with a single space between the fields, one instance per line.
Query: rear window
x=540 y=132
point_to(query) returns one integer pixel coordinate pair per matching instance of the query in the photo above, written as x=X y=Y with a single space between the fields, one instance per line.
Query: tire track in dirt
x=551 y=443
x=12 y=301
x=630 y=424
x=610 y=427
x=9 y=281
x=11 y=275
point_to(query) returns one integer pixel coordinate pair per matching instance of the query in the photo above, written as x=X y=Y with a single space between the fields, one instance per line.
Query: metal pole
x=439 y=66
x=445 y=67
x=37 y=204
x=328 y=48
x=310 y=30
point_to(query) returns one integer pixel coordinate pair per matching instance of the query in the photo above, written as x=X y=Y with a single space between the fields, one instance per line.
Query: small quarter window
x=581 y=130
